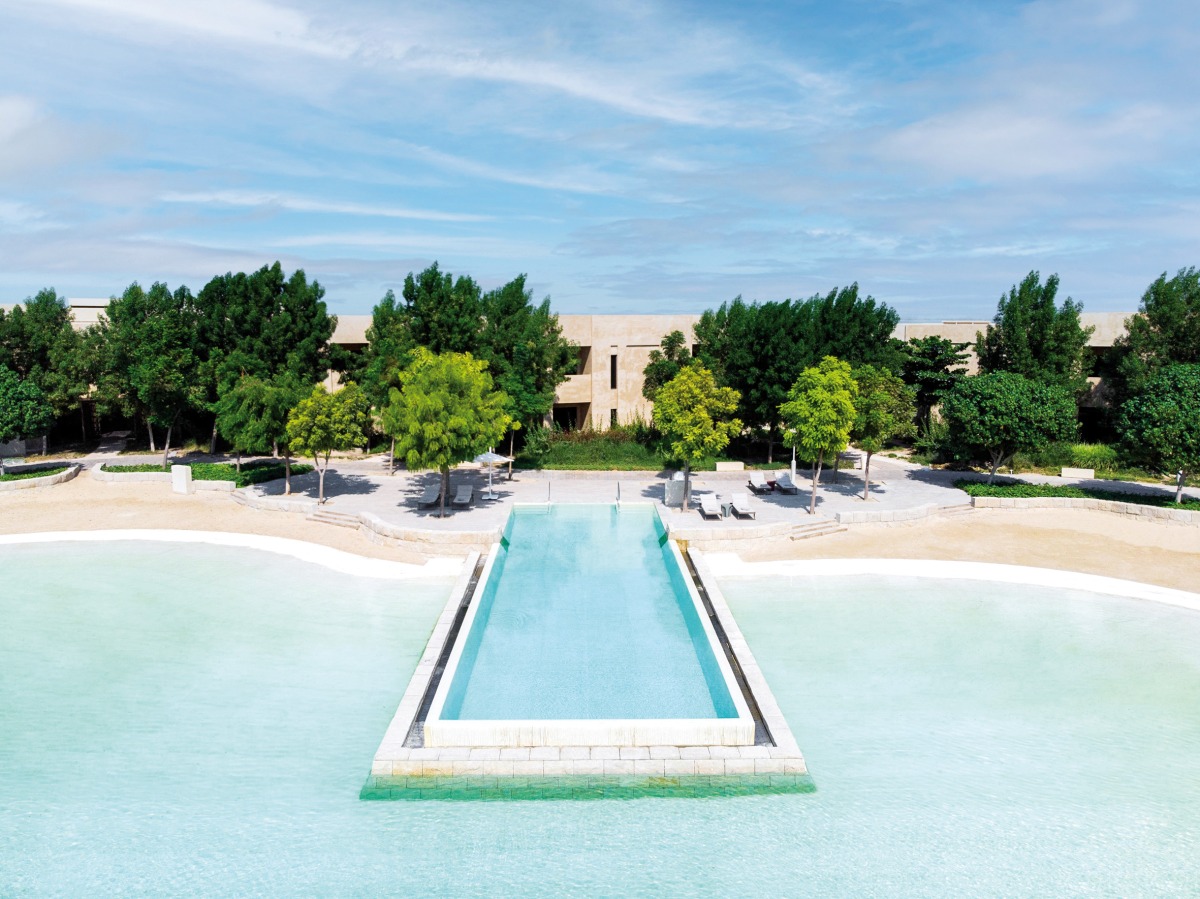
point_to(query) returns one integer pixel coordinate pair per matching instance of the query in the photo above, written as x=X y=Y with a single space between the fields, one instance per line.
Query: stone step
x=340 y=519
x=960 y=509
x=815 y=529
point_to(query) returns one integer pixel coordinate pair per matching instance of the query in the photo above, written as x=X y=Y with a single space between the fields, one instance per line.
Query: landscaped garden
x=36 y=473
x=256 y=472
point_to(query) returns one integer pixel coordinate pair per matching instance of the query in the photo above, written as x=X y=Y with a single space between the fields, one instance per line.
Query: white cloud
x=291 y=203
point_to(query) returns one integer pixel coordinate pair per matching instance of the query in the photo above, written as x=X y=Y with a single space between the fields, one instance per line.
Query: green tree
x=264 y=324
x=526 y=353
x=819 y=413
x=389 y=350
x=997 y=415
x=665 y=363
x=1032 y=336
x=148 y=364
x=885 y=410
x=932 y=367
x=24 y=409
x=252 y=414
x=696 y=418
x=1165 y=331
x=325 y=422
x=444 y=314
x=1160 y=425
x=446 y=411
x=39 y=343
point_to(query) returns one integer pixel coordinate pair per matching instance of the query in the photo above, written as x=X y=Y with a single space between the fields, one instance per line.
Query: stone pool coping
x=317 y=554
x=732 y=565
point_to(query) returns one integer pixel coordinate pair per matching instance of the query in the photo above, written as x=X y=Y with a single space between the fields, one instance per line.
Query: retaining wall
x=1132 y=510
x=47 y=481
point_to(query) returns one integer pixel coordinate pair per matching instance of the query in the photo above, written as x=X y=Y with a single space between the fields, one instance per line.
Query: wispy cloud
x=254 y=199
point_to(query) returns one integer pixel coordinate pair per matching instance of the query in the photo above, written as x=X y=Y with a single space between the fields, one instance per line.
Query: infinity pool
x=198 y=722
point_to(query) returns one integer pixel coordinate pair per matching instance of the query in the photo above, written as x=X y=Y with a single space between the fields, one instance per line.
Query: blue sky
x=628 y=156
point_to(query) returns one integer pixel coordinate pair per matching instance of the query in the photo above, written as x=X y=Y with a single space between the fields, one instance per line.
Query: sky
x=629 y=156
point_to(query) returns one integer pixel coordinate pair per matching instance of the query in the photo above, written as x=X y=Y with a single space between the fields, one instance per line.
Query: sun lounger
x=740 y=504
x=430 y=497
x=709 y=506
x=784 y=484
x=464 y=495
x=758 y=482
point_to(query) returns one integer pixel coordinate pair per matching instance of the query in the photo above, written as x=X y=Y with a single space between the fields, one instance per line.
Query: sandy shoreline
x=1069 y=539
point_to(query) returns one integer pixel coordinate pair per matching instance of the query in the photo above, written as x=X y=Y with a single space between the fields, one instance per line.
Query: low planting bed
x=32 y=473
x=251 y=473
x=1021 y=490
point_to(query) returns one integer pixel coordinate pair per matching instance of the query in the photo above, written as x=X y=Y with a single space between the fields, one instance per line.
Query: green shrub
x=256 y=472
x=1021 y=490
x=36 y=473
x=1097 y=456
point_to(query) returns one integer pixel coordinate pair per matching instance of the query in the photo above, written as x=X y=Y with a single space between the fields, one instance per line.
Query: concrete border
x=335 y=559
x=73 y=469
x=731 y=565
x=1132 y=510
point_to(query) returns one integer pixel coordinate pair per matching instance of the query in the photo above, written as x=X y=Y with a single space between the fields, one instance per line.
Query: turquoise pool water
x=586 y=616
x=199 y=723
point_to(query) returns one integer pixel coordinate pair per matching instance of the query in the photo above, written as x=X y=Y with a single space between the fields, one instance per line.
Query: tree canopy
x=696 y=417
x=665 y=363
x=39 y=344
x=1165 y=331
x=884 y=411
x=147 y=356
x=444 y=314
x=1032 y=336
x=819 y=414
x=932 y=367
x=996 y=415
x=325 y=422
x=24 y=409
x=252 y=413
x=446 y=411
x=1160 y=425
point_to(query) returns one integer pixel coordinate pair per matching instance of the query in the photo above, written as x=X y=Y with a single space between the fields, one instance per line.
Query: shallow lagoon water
x=193 y=721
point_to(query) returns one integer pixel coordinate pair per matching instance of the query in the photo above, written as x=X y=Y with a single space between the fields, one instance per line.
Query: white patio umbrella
x=491 y=460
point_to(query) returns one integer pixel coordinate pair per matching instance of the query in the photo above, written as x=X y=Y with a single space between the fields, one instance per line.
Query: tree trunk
x=512 y=442
x=150 y=431
x=1179 y=486
x=687 y=485
x=445 y=476
x=274 y=449
x=238 y=464
x=45 y=438
x=867 y=478
x=212 y=441
x=770 y=446
x=836 y=463
x=392 y=458
x=320 y=477
x=167 y=444
x=82 y=424
x=995 y=465
x=812 y=503
x=287 y=472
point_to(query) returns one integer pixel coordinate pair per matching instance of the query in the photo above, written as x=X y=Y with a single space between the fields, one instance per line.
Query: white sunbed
x=464 y=495
x=430 y=497
x=709 y=506
x=739 y=503
x=758 y=482
x=784 y=484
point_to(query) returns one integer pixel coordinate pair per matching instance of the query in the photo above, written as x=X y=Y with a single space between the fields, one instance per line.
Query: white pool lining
x=725 y=565
x=334 y=559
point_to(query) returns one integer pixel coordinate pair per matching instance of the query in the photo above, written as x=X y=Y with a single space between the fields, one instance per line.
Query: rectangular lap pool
x=585 y=630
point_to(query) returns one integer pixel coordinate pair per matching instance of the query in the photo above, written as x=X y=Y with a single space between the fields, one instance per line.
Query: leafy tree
x=819 y=413
x=526 y=353
x=389 y=349
x=760 y=349
x=446 y=411
x=932 y=368
x=1165 y=331
x=24 y=409
x=696 y=418
x=39 y=344
x=148 y=364
x=997 y=415
x=325 y=422
x=1160 y=425
x=1032 y=336
x=253 y=416
x=884 y=411
x=665 y=363
x=263 y=324
x=444 y=314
